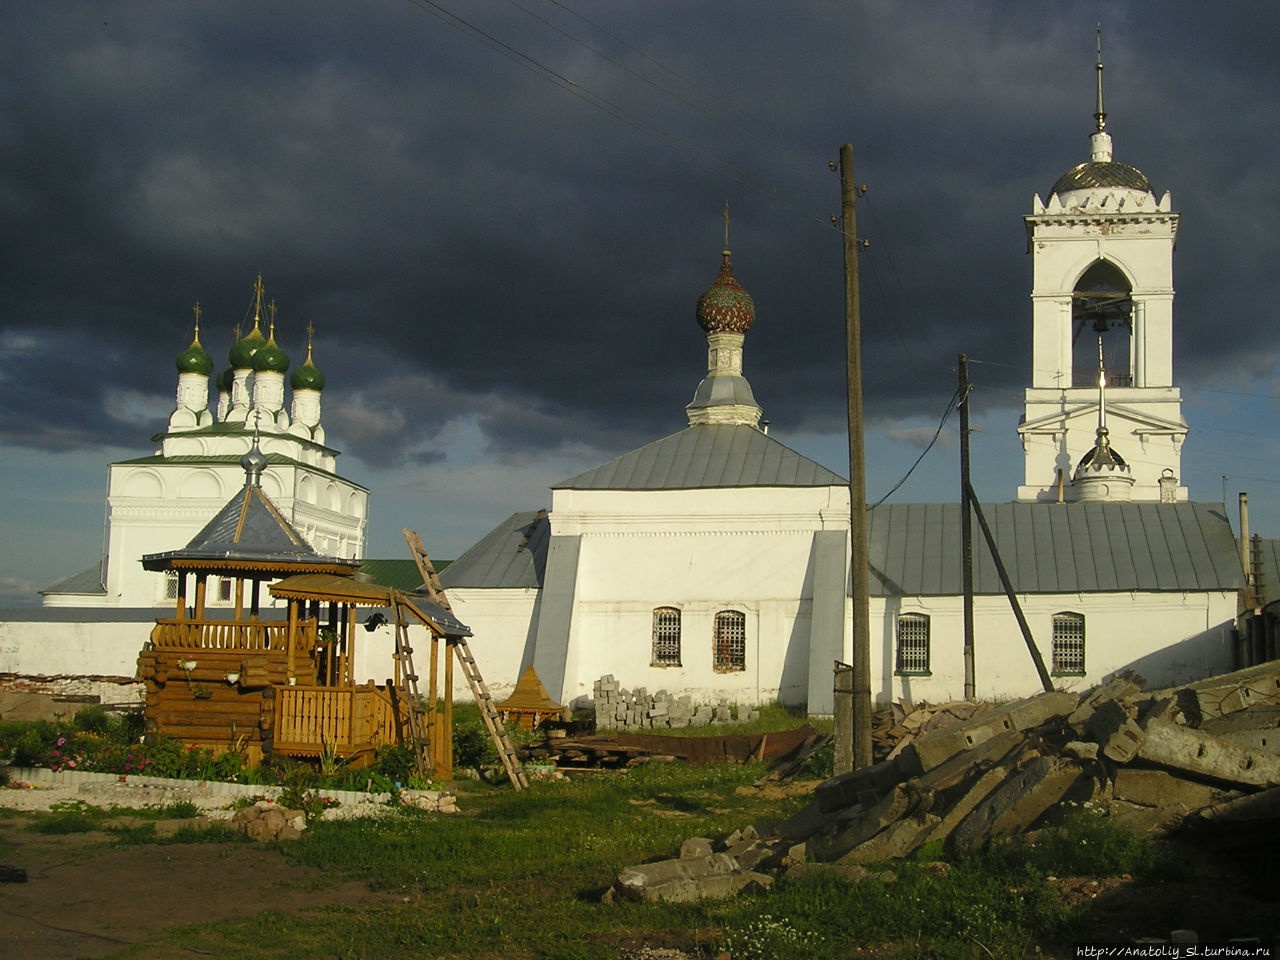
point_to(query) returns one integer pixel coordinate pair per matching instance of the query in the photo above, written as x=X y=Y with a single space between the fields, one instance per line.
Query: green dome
x=307 y=377
x=269 y=358
x=225 y=379
x=242 y=351
x=194 y=359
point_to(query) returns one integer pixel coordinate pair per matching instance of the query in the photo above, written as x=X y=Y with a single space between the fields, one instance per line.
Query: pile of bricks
x=619 y=709
x=1153 y=763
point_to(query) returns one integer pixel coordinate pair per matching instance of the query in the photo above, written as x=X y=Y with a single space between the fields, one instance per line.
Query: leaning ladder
x=414 y=732
x=479 y=690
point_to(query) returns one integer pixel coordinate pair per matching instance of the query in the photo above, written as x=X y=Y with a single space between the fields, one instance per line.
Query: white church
x=714 y=562
x=92 y=624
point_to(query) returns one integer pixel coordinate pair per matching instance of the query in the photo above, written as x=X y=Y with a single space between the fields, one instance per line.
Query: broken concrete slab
x=1255 y=806
x=1017 y=803
x=1118 y=688
x=896 y=841
x=898 y=802
x=1113 y=727
x=846 y=789
x=695 y=848
x=1203 y=755
x=692 y=889
x=934 y=749
x=1158 y=788
x=1226 y=693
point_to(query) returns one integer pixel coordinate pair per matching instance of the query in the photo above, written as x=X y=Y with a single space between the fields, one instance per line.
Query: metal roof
x=707 y=455
x=513 y=554
x=221 y=459
x=914 y=549
x=85 y=582
x=249 y=529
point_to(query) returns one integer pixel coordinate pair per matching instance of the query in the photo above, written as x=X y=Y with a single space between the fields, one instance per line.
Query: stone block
x=1181 y=748
x=717 y=887
x=654 y=874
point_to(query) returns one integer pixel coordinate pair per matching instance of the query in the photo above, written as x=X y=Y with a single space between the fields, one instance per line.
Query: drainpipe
x=1244 y=538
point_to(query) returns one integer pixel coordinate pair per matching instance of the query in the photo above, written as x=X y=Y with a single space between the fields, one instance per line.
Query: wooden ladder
x=415 y=733
x=479 y=689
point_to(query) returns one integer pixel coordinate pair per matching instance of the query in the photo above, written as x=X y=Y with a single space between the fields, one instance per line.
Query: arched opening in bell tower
x=1102 y=306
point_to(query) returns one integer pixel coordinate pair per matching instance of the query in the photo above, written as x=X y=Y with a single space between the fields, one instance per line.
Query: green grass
x=520 y=876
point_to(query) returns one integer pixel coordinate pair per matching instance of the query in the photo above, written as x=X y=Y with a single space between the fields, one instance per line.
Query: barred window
x=730 y=641
x=913 y=644
x=1068 y=643
x=666 y=637
x=171 y=585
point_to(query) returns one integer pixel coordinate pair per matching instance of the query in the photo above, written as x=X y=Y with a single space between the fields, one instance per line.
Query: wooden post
x=860 y=586
x=843 y=718
x=433 y=725
x=446 y=724
x=293 y=639
x=201 y=579
x=966 y=532
x=182 y=594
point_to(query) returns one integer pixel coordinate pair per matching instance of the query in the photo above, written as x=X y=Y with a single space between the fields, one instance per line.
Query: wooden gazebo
x=283 y=685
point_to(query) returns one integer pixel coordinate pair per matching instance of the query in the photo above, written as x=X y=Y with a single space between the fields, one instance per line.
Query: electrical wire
x=951 y=406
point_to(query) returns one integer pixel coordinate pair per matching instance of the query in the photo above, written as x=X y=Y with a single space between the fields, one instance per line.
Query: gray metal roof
x=513 y=554
x=86 y=582
x=248 y=528
x=707 y=455
x=914 y=549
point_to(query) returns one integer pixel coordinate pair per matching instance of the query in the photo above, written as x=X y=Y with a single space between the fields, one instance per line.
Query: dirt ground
x=83 y=899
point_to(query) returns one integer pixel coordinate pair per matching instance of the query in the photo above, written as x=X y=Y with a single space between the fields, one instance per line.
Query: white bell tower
x=1102 y=269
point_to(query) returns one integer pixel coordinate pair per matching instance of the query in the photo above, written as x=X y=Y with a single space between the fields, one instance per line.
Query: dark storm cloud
x=475 y=243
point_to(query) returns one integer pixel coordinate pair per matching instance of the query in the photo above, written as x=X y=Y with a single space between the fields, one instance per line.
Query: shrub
x=93 y=719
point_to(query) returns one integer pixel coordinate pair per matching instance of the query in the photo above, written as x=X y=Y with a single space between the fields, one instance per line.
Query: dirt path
x=84 y=899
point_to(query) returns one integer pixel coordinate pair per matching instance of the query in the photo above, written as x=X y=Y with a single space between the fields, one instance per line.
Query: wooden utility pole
x=966 y=531
x=859 y=579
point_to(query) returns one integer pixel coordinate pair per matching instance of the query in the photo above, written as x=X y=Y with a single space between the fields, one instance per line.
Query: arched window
x=730 y=652
x=1102 y=306
x=1068 y=643
x=666 y=637
x=913 y=644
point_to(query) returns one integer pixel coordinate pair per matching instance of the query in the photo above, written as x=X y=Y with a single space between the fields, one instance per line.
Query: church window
x=913 y=644
x=1068 y=643
x=731 y=641
x=666 y=637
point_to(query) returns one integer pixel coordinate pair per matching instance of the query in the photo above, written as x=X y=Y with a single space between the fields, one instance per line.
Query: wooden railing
x=318 y=718
x=230 y=635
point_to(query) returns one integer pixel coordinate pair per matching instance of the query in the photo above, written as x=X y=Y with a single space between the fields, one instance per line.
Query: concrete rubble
x=961 y=775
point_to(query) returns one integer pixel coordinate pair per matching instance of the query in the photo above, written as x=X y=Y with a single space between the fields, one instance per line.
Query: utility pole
x=966 y=531
x=859 y=579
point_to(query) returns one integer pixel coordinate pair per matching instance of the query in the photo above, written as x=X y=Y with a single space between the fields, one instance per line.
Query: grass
x=520 y=876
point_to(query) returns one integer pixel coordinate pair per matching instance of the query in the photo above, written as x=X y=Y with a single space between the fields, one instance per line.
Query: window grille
x=1068 y=643
x=731 y=640
x=666 y=637
x=224 y=589
x=913 y=643
x=171 y=585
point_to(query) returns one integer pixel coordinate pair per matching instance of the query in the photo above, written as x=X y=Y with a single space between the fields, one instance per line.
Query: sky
x=498 y=217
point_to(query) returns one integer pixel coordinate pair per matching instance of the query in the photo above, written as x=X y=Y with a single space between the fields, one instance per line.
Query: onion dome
x=194 y=359
x=243 y=351
x=726 y=307
x=307 y=377
x=225 y=379
x=254 y=463
x=1102 y=175
x=269 y=358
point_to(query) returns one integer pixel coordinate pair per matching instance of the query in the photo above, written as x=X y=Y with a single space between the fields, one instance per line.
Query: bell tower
x=1102 y=272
